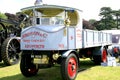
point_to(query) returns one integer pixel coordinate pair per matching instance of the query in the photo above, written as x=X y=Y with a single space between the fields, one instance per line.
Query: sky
x=90 y=8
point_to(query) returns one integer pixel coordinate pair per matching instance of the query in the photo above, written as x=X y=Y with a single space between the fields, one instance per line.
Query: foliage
x=109 y=19
x=92 y=22
x=87 y=25
x=116 y=13
x=3 y=16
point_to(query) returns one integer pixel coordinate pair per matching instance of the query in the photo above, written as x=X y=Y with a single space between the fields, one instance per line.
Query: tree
x=87 y=24
x=92 y=21
x=116 y=13
x=107 y=21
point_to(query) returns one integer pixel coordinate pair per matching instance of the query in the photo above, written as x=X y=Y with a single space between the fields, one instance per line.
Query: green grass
x=99 y=73
x=88 y=71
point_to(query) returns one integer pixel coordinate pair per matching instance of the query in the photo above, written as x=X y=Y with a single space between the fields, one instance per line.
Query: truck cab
x=50 y=23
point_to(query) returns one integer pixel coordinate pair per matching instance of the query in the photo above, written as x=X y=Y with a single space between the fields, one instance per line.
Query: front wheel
x=69 y=67
x=27 y=68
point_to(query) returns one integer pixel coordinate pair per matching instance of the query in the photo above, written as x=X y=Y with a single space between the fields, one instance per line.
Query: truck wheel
x=69 y=67
x=10 y=51
x=100 y=58
x=104 y=55
x=27 y=68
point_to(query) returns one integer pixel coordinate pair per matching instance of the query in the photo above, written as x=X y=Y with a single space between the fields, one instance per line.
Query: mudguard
x=98 y=50
x=66 y=53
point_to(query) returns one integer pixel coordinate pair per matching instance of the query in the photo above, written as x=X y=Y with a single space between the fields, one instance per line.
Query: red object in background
x=115 y=50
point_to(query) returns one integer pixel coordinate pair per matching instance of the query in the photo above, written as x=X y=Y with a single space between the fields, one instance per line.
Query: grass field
x=88 y=71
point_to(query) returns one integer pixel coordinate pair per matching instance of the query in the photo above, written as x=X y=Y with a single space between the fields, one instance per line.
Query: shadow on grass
x=49 y=73
x=85 y=64
x=2 y=64
x=43 y=74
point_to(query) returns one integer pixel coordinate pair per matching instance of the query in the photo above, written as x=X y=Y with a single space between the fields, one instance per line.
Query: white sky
x=91 y=8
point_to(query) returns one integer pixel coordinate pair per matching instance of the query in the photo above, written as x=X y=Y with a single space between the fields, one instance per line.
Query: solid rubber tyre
x=97 y=59
x=69 y=67
x=27 y=68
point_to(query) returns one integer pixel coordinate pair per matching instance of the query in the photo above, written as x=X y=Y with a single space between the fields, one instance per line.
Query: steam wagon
x=54 y=35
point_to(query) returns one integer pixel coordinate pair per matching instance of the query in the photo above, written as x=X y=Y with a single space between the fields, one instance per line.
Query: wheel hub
x=72 y=66
x=104 y=56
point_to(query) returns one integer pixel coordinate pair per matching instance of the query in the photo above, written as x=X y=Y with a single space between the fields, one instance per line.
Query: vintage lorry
x=55 y=34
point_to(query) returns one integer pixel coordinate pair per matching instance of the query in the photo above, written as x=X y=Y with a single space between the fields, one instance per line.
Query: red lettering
x=41 y=40
x=26 y=41
x=34 y=46
x=79 y=35
x=61 y=45
x=41 y=34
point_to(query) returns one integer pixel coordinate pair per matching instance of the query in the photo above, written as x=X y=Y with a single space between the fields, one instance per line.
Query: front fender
x=66 y=53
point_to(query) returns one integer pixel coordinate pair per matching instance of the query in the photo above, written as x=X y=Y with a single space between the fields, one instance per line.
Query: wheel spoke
x=15 y=46
x=12 y=50
x=12 y=46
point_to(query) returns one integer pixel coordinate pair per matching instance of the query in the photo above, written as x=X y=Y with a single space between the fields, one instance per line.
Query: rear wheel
x=10 y=51
x=69 y=67
x=104 y=55
x=100 y=58
x=27 y=68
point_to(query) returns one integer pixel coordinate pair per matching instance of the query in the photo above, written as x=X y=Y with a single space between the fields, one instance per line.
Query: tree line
x=110 y=19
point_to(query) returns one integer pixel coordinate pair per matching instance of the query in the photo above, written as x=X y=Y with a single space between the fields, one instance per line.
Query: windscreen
x=46 y=16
